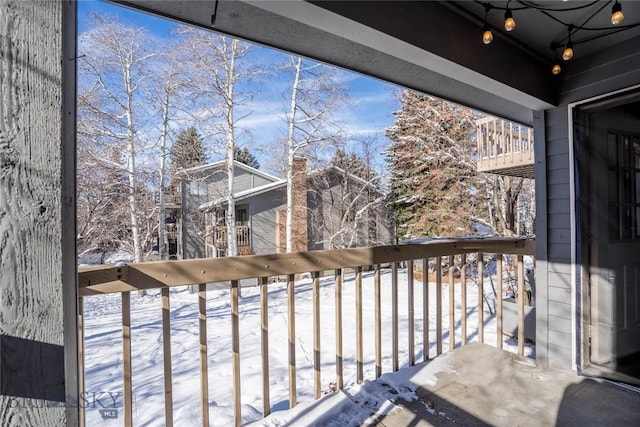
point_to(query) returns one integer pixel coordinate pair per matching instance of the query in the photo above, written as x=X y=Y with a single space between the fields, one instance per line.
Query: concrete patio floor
x=487 y=386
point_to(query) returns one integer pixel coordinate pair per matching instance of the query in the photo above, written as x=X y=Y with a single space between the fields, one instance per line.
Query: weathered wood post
x=38 y=298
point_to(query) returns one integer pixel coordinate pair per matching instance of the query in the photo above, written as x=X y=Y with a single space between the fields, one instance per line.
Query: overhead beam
x=420 y=45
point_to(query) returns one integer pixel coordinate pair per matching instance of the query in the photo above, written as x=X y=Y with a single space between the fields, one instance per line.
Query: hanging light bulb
x=509 y=22
x=616 y=13
x=567 y=54
x=487 y=35
x=555 y=70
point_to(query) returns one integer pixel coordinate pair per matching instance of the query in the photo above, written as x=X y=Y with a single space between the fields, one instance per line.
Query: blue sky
x=367 y=114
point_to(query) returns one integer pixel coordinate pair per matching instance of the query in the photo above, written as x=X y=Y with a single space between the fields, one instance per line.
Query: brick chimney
x=299 y=226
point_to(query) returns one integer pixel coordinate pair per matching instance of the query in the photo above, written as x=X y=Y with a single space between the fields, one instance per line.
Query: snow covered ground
x=353 y=406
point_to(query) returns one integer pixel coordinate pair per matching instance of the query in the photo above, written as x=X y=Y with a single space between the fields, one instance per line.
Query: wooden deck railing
x=505 y=147
x=440 y=255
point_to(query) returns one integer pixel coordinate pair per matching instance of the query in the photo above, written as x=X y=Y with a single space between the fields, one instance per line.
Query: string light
x=616 y=13
x=487 y=35
x=550 y=11
x=509 y=22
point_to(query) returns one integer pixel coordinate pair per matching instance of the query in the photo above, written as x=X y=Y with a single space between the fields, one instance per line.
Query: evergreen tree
x=353 y=164
x=435 y=189
x=188 y=150
x=243 y=155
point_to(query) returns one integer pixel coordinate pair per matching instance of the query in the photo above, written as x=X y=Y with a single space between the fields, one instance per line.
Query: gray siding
x=263 y=212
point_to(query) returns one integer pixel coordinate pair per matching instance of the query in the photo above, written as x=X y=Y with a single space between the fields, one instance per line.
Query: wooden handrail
x=102 y=279
x=165 y=274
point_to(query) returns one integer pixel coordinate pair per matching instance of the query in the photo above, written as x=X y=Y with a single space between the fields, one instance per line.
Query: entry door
x=613 y=170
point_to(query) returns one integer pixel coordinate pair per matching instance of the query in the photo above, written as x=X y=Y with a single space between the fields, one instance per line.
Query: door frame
x=580 y=301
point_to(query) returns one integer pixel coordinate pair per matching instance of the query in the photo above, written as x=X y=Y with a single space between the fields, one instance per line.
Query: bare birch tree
x=213 y=61
x=314 y=93
x=112 y=75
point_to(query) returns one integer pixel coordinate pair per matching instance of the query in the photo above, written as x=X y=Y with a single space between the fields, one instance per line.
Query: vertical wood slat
x=359 y=350
x=410 y=310
x=378 y=321
x=499 y=309
x=166 y=357
x=521 y=292
x=235 y=352
x=264 y=339
x=438 y=305
x=394 y=316
x=291 y=320
x=316 y=336
x=452 y=307
x=126 y=358
x=463 y=297
x=338 y=311
x=204 y=364
x=81 y=381
x=425 y=309
x=480 y=297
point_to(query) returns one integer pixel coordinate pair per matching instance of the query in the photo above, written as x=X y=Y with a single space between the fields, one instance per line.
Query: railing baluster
x=452 y=307
x=264 y=338
x=126 y=358
x=81 y=382
x=378 y=321
x=316 y=336
x=425 y=309
x=499 y=326
x=235 y=352
x=359 y=351
x=394 y=315
x=480 y=297
x=521 y=292
x=410 y=310
x=166 y=357
x=338 y=313
x=204 y=364
x=291 y=319
x=438 y=305
x=463 y=297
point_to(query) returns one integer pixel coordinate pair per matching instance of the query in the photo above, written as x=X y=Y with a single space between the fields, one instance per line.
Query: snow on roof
x=221 y=163
x=241 y=195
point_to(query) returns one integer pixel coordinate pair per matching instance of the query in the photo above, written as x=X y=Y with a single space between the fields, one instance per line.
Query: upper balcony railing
x=505 y=148
x=460 y=260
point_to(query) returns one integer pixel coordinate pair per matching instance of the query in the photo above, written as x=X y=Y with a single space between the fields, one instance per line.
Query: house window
x=197 y=188
x=624 y=186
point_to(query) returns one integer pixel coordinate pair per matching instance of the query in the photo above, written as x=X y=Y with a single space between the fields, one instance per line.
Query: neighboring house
x=332 y=209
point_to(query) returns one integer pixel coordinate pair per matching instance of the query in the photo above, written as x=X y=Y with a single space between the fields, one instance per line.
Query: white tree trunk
x=291 y=150
x=232 y=240
x=163 y=162
x=131 y=167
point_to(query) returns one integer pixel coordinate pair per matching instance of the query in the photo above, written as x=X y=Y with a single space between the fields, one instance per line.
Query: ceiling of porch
x=434 y=47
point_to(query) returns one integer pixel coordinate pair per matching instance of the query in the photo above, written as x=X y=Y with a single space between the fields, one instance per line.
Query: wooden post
x=81 y=379
x=317 y=383
x=126 y=359
x=463 y=297
x=338 y=310
x=438 y=305
x=359 y=350
x=166 y=357
x=204 y=364
x=521 y=292
x=499 y=327
x=481 y=297
x=411 y=320
x=425 y=309
x=378 y=321
x=291 y=320
x=235 y=352
x=39 y=309
x=264 y=338
x=394 y=316
x=452 y=308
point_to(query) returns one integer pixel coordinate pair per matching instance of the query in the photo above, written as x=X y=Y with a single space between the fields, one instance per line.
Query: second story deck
x=505 y=148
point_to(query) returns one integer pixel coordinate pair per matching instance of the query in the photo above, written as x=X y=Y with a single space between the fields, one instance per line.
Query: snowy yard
x=103 y=351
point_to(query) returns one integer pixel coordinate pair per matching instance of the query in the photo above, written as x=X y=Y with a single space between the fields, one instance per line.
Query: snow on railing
x=430 y=263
